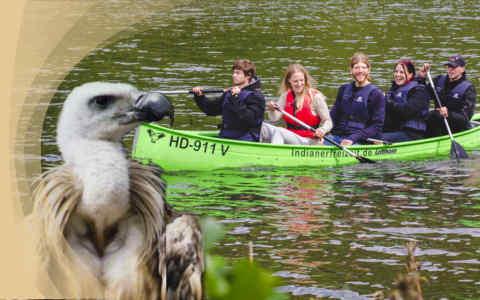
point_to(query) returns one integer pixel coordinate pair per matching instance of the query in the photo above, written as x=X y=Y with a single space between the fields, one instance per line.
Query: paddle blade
x=457 y=151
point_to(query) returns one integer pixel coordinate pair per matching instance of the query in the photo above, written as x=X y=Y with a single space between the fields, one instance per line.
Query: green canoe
x=176 y=150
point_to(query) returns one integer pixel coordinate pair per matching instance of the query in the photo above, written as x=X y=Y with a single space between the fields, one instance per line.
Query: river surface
x=336 y=233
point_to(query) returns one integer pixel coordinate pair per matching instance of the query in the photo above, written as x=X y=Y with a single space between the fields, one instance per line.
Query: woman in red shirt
x=301 y=100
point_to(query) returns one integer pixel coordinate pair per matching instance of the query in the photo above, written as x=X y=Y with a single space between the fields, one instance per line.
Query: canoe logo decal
x=154 y=136
x=359 y=99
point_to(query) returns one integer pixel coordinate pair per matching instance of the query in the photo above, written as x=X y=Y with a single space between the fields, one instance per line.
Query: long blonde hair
x=360 y=57
x=310 y=83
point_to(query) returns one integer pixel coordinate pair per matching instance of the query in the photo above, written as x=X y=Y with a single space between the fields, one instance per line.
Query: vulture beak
x=151 y=107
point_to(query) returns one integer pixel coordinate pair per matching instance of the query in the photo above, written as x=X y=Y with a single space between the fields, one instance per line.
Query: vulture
x=103 y=227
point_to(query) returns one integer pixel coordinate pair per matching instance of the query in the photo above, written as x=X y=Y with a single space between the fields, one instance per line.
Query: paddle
x=455 y=148
x=378 y=141
x=176 y=92
x=306 y=126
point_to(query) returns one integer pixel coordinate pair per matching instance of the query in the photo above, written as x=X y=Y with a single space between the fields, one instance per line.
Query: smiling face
x=297 y=82
x=401 y=75
x=360 y=72
x=455 y=73
x=239 y=78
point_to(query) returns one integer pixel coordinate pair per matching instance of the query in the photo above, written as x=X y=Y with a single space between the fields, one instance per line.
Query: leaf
x=470 y=223
x=213 y=232
x=244 y=280
x=252 y=282
x=216 y=282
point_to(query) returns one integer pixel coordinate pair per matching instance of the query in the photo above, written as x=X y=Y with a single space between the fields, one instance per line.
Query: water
x=338 y=230
x=329 y=233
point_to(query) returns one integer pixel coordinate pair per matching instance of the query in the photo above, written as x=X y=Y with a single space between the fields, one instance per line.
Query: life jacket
x=305 y=114
x=232 y=127
x=400 y=95
x=354 y=106
x=454 y=95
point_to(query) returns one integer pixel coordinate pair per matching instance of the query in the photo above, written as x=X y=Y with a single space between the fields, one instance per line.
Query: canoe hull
x=176 y=150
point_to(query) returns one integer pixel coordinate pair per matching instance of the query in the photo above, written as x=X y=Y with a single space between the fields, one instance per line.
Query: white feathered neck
x=89 y=140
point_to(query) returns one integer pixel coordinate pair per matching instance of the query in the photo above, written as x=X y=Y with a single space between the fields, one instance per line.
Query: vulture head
x=106 y=112
x=102 y=218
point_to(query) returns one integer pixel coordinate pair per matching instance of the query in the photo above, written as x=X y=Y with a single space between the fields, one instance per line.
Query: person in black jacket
x=242 y=106
x=457 y=96
x=407 y=104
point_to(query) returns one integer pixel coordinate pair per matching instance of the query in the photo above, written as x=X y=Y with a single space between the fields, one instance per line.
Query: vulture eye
x=102 y=101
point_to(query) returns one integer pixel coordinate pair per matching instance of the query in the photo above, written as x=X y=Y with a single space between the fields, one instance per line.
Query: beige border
x=12 y=279
x=43 y=40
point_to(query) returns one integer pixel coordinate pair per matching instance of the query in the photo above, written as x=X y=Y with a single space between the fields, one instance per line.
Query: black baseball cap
x=455 y=61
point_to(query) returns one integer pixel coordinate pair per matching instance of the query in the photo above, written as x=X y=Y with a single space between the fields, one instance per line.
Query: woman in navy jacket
x=407 y=104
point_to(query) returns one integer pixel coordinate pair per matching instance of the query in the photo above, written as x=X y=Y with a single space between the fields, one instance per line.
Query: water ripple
x=321 y=292
x=473 y=232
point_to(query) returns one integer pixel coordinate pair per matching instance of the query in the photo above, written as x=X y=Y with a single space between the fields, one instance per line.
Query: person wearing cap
x=457 y=96
x=407 y=104
x=300 y=99
x=359 y=110
x=242 y=106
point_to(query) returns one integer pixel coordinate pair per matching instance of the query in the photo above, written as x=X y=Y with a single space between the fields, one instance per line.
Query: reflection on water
x=341 y=232
x=334 y=232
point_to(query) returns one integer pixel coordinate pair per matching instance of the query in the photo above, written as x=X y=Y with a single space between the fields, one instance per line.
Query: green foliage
x=242 y=280
x=212 y=231
x=470 y=223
